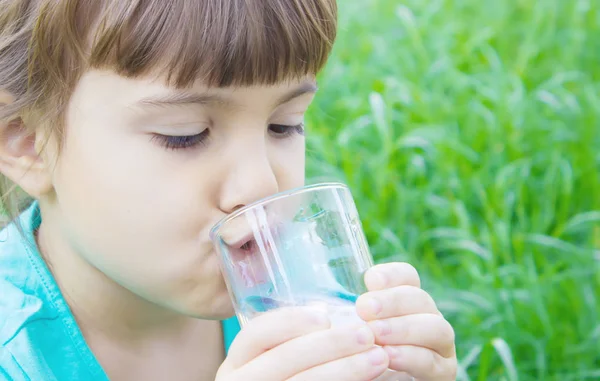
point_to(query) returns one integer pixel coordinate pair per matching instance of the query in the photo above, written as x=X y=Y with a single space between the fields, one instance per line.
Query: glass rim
x=274 y=197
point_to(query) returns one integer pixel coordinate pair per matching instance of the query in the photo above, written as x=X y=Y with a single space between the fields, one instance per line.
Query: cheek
x=141 y=223
x=124 y=175
x=108 y=178
x=288 y=161
x=132 y=210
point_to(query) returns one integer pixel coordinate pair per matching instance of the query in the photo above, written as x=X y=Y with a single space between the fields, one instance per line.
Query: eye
x=281 y=131
x=182 y=141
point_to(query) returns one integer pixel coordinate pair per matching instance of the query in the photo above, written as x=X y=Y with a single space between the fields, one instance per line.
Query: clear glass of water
x=302 y=247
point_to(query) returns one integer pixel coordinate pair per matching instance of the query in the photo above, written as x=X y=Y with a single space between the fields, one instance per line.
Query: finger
x=421 y=363
x=423 y=330
x=393 y=302
x=389 y=275
x=272 y=329
x=392 y=375
x=308 y=351
x=361 y=367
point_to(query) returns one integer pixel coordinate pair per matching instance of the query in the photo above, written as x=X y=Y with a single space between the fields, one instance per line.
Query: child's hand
x=297 y=345
x=407 y=323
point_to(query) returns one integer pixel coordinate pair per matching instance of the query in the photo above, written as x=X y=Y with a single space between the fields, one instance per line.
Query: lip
x=248 y=251
x=239 y=232
x=238 y=243
x=238 y=252
x=247 y=261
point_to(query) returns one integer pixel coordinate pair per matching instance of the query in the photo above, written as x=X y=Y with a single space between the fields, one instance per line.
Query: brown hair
x=46 y=45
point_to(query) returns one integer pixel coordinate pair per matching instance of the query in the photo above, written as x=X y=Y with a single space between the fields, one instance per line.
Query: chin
x=219 y=308
x=224 y=314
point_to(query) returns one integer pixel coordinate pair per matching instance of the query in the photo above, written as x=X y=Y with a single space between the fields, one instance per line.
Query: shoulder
x=22 y=308
x=20 y=287
x=39 y=337
x=16 y=308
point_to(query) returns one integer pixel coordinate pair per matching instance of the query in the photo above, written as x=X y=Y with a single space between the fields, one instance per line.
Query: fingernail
x=382 y=327
x=375 y=306
x=376 y=356
x=392 y=352
x=364 y=336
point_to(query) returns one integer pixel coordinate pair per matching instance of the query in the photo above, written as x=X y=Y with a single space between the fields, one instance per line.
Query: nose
x=251 y=177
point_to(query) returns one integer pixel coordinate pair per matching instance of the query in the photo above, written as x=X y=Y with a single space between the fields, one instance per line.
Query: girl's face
x=146 y=171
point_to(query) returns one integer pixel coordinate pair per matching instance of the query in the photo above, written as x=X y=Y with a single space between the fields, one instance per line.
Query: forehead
x=109 y=88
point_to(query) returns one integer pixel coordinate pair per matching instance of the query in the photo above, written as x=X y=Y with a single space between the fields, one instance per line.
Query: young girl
x=132 y=127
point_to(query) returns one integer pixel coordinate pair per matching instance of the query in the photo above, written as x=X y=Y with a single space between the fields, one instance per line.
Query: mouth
x=250 y=250
x=248 y=262
x=242 y=241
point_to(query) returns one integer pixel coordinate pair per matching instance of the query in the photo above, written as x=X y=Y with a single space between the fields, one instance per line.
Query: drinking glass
x=302 y=247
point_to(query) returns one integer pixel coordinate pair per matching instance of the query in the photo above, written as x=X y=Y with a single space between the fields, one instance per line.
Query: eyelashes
x=174 y=142
x=181 y=142
x=282 y=131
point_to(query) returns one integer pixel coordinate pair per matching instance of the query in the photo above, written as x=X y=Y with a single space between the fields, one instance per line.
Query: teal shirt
x=39 y=337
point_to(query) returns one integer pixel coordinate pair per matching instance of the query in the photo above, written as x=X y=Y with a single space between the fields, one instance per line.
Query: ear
x=20 y=159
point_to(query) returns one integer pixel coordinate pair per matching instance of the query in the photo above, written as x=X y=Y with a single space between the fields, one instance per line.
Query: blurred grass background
x=469 y=133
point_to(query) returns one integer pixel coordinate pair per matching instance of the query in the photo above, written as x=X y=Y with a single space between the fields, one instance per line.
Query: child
x=133 y=126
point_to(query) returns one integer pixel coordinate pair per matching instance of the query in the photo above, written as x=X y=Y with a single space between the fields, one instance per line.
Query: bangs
x=219 y=42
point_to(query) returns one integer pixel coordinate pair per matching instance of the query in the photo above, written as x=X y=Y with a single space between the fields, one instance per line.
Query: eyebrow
x=305 y=88
x=181 y=99
x=188 y=98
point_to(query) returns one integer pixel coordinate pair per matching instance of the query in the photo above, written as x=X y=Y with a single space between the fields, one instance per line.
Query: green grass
x=469 y=132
